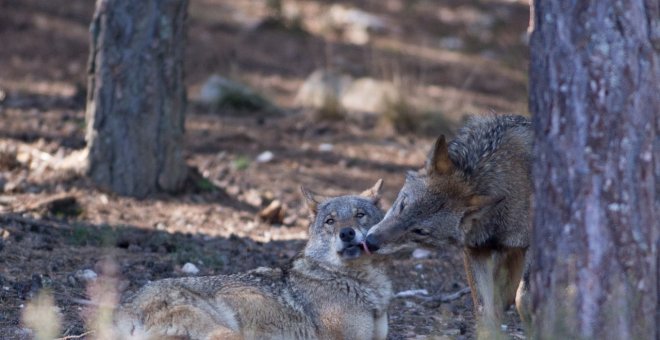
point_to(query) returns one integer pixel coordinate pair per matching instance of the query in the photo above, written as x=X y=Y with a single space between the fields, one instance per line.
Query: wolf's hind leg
x=508 y=272
x=523 y=298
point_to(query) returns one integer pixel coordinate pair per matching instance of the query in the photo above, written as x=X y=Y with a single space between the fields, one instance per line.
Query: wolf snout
x=372 y=243
x=347 y=234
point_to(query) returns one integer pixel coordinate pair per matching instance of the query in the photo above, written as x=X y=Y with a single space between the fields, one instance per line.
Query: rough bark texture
x=136 y=95
x=595 y=97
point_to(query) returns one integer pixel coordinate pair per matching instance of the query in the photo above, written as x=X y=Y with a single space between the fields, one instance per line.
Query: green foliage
x=401 y=116
x=87 y=235
x=243 y=100
x=203 y=184
x=241 y=163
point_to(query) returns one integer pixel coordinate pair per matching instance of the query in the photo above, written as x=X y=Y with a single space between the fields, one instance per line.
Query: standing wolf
x=330 y=291
x=474 y=192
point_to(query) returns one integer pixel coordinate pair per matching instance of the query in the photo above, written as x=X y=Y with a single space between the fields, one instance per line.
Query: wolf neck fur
x=480 y=138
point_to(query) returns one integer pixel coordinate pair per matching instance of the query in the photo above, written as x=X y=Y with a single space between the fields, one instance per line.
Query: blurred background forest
x=330 y=95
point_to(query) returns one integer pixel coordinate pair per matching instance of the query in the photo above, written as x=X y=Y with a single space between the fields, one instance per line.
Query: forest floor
x=463 y=56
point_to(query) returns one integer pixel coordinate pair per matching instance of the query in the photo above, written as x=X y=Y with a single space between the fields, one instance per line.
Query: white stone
x=326 y=147
x=420 y=253
x=86 y=275
x=265 y=157
x=190 y=268
x=352 y=17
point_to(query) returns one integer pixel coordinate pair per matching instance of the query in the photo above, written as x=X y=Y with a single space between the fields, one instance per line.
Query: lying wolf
x=330 y=291
x=474 y=192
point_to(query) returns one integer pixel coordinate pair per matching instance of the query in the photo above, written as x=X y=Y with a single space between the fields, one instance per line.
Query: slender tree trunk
x=136 y=96
x=595 y=97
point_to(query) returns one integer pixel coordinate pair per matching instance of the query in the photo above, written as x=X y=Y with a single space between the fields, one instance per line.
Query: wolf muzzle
x=372 y=243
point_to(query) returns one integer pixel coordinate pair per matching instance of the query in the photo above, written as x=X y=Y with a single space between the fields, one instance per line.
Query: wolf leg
x=523 y=299
x=380 y=327
x=480 y=268
x=508 y=273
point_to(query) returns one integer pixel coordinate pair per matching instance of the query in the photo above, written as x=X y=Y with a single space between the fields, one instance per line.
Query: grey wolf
x=329 y=291
x=474 y=192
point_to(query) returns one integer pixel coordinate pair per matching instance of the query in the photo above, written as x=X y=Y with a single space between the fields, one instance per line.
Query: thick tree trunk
x=136 y=96
x=595 y=97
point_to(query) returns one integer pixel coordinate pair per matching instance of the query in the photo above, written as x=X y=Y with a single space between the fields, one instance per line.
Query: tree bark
x=595 y=97
x=136 y=96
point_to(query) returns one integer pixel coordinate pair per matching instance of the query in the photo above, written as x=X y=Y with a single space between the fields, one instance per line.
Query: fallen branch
x=434 y=299
x=68 y=337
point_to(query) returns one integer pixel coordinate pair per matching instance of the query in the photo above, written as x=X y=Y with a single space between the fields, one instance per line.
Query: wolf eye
x=420 y=232
x=359 y=215
x=330 y=221
x=402 y=204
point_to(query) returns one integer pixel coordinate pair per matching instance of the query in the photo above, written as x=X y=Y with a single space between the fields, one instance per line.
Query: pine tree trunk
x=595 y=97
x=136 y=96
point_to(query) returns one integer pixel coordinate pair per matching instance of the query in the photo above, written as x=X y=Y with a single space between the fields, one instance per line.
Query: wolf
x=329 y=291
x=474 y=192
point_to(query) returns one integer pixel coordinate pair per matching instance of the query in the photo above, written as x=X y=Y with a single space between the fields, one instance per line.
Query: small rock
x=86 y=275
x=190 y=268
x=220 y=92
x=354 y=19
x=253 y=197
x=326 y=147
x=273 y=213
x=290 y=220
x=504 y=327
x=419 y=266
x=420 y=253
x=322 y=89
x=452 y=43
x=265 y=157
x=370 y=95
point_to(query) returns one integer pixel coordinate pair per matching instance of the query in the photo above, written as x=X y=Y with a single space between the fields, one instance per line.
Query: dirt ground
x=54 y=223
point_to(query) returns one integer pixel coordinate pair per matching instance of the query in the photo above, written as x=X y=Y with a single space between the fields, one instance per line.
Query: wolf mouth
x=365 y=248
x=351 y=251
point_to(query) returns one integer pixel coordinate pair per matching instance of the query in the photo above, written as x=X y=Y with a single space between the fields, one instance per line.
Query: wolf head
x=340 y=224
x=436 y=206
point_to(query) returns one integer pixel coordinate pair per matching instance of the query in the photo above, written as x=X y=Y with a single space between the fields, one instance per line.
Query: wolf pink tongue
x=366 y=249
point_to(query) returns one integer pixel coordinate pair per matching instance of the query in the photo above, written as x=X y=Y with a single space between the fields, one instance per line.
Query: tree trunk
x=136 y=96
x=595 y=97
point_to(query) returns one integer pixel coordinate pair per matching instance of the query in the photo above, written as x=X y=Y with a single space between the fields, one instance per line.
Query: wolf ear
x=311 y=199
x=373 y=193
x=438 y=162
x=478 y=205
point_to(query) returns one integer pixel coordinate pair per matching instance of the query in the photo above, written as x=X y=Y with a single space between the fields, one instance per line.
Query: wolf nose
x=372 y=243
x=347 y=234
